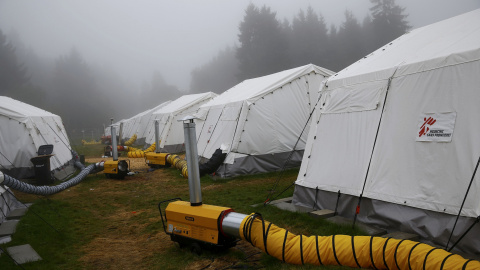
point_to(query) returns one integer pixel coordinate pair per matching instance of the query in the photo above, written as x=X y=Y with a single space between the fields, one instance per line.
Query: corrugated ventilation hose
x=48 y=190
x=91 y=142
x=131 y=140
x=178 y=163
x=353 y=251
x=141 y=153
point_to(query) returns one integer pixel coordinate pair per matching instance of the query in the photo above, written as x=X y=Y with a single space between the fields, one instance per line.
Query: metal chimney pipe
x=192 y=163
x=114 y=143
x=157 y=143
x=120 y=135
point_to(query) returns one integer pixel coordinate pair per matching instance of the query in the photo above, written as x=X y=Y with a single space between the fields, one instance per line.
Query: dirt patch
x=117 y=250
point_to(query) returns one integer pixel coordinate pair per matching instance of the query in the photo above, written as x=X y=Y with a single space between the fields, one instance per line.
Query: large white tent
x=259 y=120
x=399 y=127
x=135 y=125
x=24 y=128
x=143 y=127
x=132 y=126
x=170 y=130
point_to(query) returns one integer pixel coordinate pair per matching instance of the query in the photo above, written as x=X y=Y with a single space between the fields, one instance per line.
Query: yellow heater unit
x=115 y=169
x=156 y=160
x=196 y=226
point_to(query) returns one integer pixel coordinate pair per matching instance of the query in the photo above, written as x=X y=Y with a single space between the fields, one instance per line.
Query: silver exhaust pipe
x=114 y=143
x=157 y=138
x=192 y=161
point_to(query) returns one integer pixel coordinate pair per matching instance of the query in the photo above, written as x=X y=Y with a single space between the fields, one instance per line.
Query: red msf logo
x=424 y=129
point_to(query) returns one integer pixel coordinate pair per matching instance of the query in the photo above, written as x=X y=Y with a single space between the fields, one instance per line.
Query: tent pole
x=461 y=207
x=357 y=210
x=465 y=233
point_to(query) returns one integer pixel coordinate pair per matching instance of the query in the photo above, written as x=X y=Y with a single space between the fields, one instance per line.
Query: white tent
x=8 y=203
x=116 y=125
x=130 y=126
x=24 y=128
x=170 y=130
x=135 y=125
x=399 y=127
x=142 y=128
x=259 y=120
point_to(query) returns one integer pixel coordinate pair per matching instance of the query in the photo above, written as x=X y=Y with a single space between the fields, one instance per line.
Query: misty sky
x=138 y=37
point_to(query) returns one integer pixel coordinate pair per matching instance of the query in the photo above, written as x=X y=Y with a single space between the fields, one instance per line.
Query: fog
x=137 y=44
x=172 y=37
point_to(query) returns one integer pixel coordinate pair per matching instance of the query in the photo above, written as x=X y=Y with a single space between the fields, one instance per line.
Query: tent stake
x=336 y=205
x=461 y=207
x=314 y=207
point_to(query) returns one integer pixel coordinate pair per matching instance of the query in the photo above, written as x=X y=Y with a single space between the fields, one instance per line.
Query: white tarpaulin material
x=133 y=126
x=260 y=118
x=399 y=126
x=170 y=130
x=24 y=128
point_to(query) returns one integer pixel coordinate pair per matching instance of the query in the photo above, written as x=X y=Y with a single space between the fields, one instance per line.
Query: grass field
x=115 y=224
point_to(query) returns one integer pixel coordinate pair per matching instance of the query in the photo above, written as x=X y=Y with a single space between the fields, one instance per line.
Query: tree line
x=267 y=45
x=86 y=96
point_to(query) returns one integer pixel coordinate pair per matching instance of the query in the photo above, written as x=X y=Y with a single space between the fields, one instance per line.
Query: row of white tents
x=257 y=121
x=397 y=129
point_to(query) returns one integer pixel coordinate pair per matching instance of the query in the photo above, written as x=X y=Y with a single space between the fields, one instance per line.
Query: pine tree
x=349 y=42
x=263 y=45
x=388 y=21
x=217 y=75
x=12 y=74
x=310 y=39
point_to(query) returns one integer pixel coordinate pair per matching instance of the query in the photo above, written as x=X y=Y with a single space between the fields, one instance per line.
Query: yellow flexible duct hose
x=141 y=153
x=178 y=163
x=136 y=154
x=133 y=149
x=150 y=149
x=90 y=142
x=131 y=140
x=354 y=251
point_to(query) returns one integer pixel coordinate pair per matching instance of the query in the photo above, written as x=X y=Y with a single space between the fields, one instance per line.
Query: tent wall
x=260 y=130
x=253 y=164
x=399 y=128
x=24 y=129
x=428 y=174
x=170 y=129
x=432 y=227
x=15 y=157
x=141 y=126
x=8 y=203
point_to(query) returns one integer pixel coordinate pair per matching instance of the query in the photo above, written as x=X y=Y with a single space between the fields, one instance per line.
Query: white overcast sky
x=172 y=37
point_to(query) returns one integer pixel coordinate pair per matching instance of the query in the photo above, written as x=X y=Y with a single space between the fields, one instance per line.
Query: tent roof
x=252 y=89
x=421 y=49
x=18 y=110
x=146 y=112
x=184 y=102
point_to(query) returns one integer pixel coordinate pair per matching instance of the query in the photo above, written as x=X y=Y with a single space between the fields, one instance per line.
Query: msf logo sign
x=425 y=127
